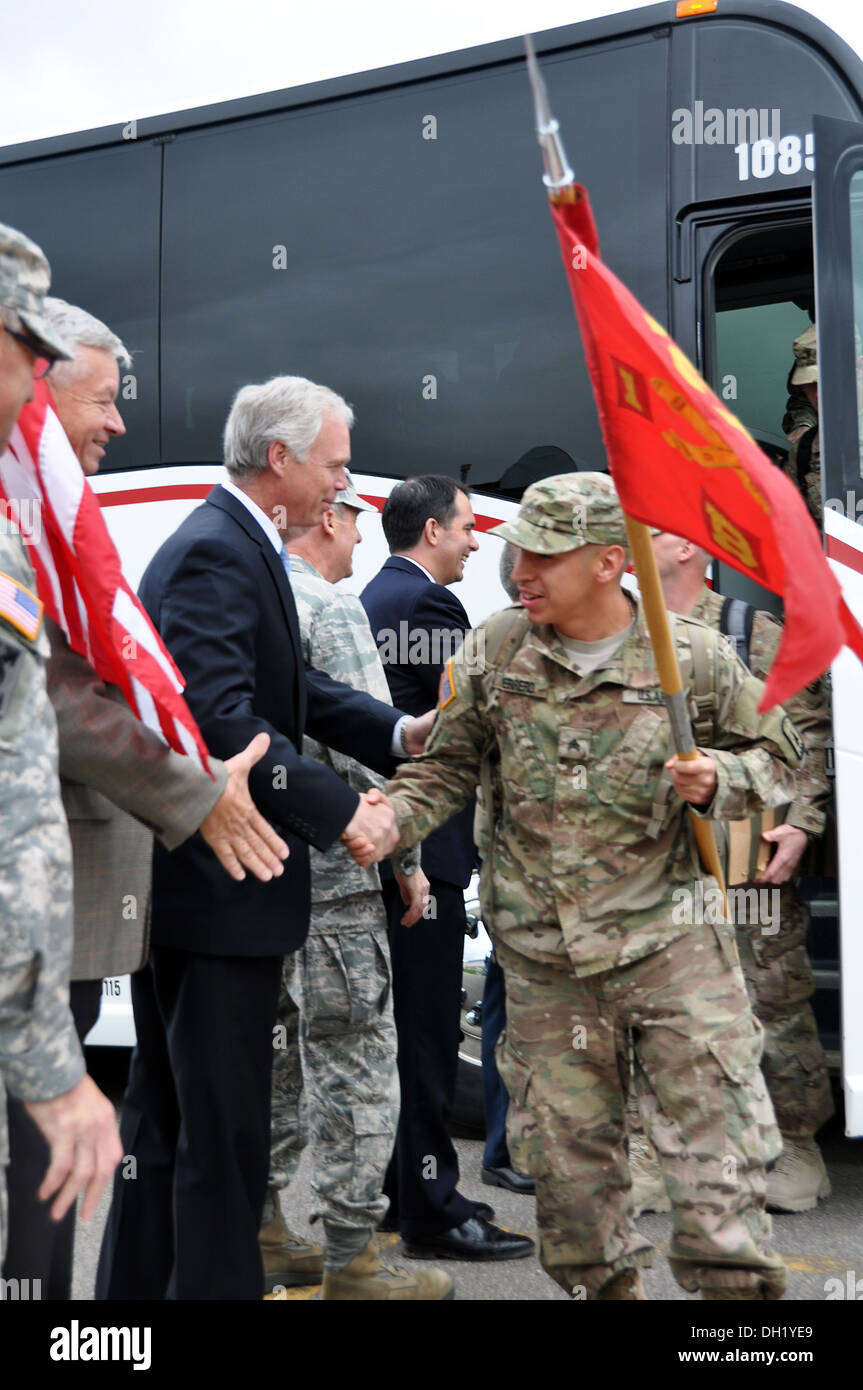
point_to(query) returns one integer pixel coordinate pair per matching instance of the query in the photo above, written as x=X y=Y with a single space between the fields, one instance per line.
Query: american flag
x=20 y=607
x=80 y=580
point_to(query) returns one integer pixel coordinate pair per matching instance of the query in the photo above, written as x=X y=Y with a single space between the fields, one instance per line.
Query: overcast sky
x=74 y=64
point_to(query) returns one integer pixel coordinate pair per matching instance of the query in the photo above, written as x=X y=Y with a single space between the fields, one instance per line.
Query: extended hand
x=236 y=831
x=417 y=731
x=81 y=1130
x=790 y=843
x=694 y=778
x=414 y=890
x=371 y=834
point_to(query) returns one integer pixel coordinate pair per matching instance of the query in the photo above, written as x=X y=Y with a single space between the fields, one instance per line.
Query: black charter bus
x=388 y=233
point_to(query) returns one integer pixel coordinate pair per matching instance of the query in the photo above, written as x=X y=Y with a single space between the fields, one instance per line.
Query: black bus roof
x=628 y=23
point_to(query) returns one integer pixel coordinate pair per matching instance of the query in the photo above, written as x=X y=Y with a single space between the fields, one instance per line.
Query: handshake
x=372 y=833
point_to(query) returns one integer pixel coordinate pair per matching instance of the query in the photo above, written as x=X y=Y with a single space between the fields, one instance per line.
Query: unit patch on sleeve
x=446 y=690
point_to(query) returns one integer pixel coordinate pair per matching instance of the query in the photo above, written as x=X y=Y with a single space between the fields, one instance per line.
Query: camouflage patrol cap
x=351 y=498
x=25 y=277
x=564 y=513
x=805 y=358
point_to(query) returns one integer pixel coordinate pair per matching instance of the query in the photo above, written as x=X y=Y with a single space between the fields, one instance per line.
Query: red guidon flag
x=681 y=461
x=80 y=580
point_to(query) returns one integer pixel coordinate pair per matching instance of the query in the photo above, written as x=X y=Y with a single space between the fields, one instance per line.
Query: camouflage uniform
x=776 y=963
x=804 y=459
x=590 y=859
x=804 y=470
x=336 y=1008
x=40 y=1056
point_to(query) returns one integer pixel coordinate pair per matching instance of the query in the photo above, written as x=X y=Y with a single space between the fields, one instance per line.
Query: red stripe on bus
x=181 y=492
x=171 y=492
x=844 y=553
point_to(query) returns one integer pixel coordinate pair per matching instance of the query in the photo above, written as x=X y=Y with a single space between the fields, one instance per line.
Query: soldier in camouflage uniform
x=801 y=424
x=335 y=1040
x=40 y=1057
x=773 y=954
x=592 y=896
x=800 y=413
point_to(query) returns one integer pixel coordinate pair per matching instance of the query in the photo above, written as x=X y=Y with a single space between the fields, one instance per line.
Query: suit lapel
x=223 y=499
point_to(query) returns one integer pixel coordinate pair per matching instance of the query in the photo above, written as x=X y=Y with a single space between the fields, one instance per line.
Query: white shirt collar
x=411 y=561
x=265 y=522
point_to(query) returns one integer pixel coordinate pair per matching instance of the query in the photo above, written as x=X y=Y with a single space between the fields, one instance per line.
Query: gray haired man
x=84 y=391
x=198 y=1105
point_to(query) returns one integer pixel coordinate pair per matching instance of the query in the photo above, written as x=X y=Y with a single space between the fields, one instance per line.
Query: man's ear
x=611 y=563
x=328 y=522
x=431 y=530
x=278 y=456
x=687 y=550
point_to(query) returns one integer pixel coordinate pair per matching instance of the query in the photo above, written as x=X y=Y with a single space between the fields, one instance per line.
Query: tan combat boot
x=368 y=1277
x=625 y=1287
x=648 y=1187
x=288 y=1259
x=799 y=1181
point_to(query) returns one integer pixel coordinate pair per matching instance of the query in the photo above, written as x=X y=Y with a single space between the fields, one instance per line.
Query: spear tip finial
x=558 y=174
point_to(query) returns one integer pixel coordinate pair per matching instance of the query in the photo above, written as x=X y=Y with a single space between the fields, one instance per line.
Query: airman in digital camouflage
x=772 y=943
x=335 y=1041
x=595 y=897
x=40 y=1058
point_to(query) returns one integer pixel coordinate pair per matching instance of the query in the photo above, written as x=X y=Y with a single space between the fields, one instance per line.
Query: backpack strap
x=735 y=621
x=702 y=694
x=804 y=455
x=504 y=633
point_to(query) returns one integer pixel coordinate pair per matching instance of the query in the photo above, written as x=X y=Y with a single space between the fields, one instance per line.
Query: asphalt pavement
x=823 y=1248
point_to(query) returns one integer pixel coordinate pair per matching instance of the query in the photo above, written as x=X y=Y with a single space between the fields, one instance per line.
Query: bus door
x=745 y=277
x=838 y=219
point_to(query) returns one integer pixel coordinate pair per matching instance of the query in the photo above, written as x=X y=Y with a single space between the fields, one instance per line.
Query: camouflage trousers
x=564 y=1060
x=780 y=983
x=334 y=1062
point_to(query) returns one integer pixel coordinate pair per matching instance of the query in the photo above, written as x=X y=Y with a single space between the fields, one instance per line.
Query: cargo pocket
x=523 y=1129
x=739 y=1052
x=326 y=988
x=374 y=1135
x=749 y=1120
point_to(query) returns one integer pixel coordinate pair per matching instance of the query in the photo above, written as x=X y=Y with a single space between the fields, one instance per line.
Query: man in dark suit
x=196 y=1116
x=418 y=624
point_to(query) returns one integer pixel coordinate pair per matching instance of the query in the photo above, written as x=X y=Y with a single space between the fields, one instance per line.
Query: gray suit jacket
x=112 y=767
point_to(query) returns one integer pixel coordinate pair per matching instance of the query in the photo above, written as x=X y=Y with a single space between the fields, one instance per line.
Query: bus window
x=753 y=344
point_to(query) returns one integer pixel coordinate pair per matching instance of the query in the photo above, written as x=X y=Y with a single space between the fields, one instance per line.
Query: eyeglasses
x=38 y=349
